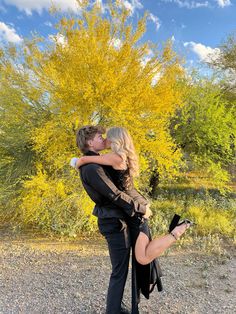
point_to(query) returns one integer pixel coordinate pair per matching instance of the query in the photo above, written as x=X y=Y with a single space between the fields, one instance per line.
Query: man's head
x=89 y=137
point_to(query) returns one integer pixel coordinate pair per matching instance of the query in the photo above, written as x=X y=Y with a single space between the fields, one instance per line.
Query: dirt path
x=50 y=276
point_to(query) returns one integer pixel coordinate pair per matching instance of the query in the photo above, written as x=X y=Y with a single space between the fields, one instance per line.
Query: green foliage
x=214 y=214
x=205 y=129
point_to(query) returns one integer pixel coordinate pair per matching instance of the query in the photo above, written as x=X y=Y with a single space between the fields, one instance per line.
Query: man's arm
x=96 y=177
x=137 y=197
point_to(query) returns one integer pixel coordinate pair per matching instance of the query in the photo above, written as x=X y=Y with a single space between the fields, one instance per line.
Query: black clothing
x=112 y=206
x=110 y=201
x=116 y=206
x=118 y=239
x=142 y=275
x=123 y=181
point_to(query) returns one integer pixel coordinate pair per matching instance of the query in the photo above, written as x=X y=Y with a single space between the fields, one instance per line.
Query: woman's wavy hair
x=122 y=144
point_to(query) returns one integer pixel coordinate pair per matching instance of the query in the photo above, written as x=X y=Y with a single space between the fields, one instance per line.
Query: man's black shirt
x=110 y=201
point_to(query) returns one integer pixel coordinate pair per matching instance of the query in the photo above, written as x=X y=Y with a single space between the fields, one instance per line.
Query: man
x=112 y=207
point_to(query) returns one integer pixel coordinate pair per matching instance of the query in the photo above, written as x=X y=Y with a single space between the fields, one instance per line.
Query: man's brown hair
x=86 y=133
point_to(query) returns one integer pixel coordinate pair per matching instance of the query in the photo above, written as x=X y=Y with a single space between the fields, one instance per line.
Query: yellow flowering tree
x=96 y=70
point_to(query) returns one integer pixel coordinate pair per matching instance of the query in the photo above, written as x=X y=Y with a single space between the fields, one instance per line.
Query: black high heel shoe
x=175 y=222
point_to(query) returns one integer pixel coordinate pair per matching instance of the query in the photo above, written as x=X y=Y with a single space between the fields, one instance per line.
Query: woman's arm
x=110 y=159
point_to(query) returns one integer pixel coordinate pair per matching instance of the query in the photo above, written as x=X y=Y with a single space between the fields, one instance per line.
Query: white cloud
x=28 y=6
x=9 y=34
x=189 y=4
x=156 y=78
x=128 y=6
x=147 y=57
x=58 y=39
x=132 y=5
x=104 y=7
x=155 y=20
x=49 y=24
x=205 y=53
x=223 y=3
x=116 y=43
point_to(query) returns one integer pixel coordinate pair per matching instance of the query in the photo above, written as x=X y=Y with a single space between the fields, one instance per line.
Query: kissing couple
x=122 y=213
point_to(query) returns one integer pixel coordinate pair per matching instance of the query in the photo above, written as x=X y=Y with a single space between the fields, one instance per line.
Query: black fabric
x=143 y=275
x=110 y=201
x=174 y=222
x=118 y=239
x=114 y=208
x=119 y=177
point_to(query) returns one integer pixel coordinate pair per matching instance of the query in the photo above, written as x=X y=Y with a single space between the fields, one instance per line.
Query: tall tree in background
x=96 y=70
x=225 y=65
x=205 y=129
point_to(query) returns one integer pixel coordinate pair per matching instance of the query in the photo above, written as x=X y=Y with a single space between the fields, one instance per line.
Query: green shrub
x=213 y=215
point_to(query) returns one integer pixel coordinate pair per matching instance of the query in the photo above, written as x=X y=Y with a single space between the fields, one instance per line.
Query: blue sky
x=196 y=28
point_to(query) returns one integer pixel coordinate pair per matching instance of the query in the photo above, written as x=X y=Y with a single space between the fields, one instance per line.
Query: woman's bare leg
x=146 y=250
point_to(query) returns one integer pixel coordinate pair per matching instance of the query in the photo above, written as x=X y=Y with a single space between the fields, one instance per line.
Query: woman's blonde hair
x=122 y=144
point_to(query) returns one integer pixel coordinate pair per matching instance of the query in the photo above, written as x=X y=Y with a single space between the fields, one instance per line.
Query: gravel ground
x=39 y=275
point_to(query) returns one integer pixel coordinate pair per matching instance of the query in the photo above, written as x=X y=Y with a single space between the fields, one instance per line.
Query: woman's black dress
x=142 y=275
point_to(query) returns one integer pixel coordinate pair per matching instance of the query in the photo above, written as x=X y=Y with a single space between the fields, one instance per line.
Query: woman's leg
x=146 y=250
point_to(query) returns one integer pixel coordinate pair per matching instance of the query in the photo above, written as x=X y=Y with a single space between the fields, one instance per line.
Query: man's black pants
x=118 y=239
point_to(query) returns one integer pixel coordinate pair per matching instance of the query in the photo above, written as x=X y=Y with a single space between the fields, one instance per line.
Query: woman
x=124 y=162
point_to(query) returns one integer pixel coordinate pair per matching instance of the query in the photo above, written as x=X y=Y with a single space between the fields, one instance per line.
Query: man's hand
x=73 y=162
x=148 y=212
x=76 y=162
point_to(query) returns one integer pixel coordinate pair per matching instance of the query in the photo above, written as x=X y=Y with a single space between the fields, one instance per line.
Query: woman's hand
x=179 y=230
x=148 y=212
